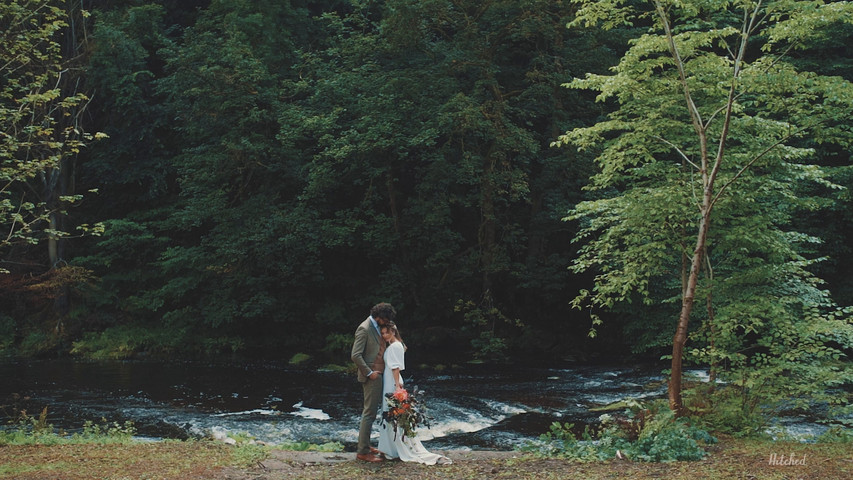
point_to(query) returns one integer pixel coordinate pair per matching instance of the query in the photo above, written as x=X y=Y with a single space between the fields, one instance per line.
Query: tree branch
x=682 y=154
x=760 y=156
x=749 y=23
x=717 y=111
x=679 y=64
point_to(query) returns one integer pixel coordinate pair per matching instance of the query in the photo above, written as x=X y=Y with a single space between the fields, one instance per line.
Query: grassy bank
x=730 y=458
x=162 y=460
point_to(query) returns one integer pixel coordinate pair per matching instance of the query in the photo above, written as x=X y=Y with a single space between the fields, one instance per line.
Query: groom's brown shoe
x=374 y=450
x=369 y=457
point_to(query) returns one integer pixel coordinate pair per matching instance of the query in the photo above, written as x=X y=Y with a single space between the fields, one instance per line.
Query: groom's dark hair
x=383 y=310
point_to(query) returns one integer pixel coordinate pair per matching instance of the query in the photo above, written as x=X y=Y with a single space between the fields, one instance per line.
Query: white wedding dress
x=406 y=449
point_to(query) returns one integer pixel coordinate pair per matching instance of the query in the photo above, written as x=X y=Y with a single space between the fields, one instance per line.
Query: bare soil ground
x=729 y=459
x=742 y=462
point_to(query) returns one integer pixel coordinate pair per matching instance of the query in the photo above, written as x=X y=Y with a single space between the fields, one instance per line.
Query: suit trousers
x=372 y=400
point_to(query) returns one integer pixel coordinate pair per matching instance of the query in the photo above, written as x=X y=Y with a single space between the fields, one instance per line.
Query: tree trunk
x=488 y=228
x=403 y=258
x=712 y=330
x=680 y=338
x=53 y=242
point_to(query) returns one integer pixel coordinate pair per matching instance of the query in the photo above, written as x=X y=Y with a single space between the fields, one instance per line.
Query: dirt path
x=742 y=462
x=310 y=465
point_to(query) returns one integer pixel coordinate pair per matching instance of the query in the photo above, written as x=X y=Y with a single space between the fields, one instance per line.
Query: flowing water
x=476 y=407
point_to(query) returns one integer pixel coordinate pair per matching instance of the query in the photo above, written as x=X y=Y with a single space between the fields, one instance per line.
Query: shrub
x=37 y=342
x=29 y=430
x=665 y=438
x=731 y=410
x=124 y=341
x=648 y=434
x=106 y=432
x=836 y=434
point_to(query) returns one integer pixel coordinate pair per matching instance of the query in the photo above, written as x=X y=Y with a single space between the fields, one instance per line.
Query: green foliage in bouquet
x=405 y=412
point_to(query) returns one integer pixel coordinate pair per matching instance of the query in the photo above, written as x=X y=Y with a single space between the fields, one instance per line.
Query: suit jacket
x=365 y=349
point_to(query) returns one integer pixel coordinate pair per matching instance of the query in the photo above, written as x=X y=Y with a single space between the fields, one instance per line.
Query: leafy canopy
x=34 y=135
x=704 y=159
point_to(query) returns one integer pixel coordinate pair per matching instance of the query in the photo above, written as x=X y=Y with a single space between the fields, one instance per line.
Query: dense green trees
x=364 y=151
x=274 y=168
x=435 y=119
x=43 y=129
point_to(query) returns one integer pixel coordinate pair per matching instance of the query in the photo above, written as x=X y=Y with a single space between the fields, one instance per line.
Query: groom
x=367 y=351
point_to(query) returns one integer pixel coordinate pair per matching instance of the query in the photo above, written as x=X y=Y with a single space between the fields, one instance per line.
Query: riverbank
x=481 y=407
x=731 y=458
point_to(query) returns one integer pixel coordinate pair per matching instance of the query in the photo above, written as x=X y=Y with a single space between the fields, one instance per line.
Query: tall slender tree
x=710 y=110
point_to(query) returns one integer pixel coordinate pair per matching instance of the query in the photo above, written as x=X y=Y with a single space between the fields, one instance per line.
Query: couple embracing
x=378 y=352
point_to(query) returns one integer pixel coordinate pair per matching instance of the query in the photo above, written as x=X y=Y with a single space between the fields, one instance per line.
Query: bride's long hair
x=396 y=331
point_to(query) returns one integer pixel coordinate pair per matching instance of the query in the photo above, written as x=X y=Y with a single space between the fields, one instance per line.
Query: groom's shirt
x=375 y=325
x=379 y=363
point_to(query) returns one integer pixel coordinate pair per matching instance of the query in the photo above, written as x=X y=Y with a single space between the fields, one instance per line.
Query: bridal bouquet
x=404 y=411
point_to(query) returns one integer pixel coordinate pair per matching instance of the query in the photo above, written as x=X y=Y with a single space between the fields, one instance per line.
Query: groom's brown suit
x=367 y=351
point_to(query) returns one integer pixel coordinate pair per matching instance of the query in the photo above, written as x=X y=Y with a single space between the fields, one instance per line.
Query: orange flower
x=401 y=395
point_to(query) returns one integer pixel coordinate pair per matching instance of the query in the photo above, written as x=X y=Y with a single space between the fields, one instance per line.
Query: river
x=473 y=407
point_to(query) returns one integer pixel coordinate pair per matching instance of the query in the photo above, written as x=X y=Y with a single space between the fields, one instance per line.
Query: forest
x=524 y=180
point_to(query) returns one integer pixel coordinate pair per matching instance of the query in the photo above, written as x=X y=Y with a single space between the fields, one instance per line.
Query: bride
x=396 y=444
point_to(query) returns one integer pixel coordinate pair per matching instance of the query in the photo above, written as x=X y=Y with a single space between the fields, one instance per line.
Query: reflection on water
x=483 y=408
